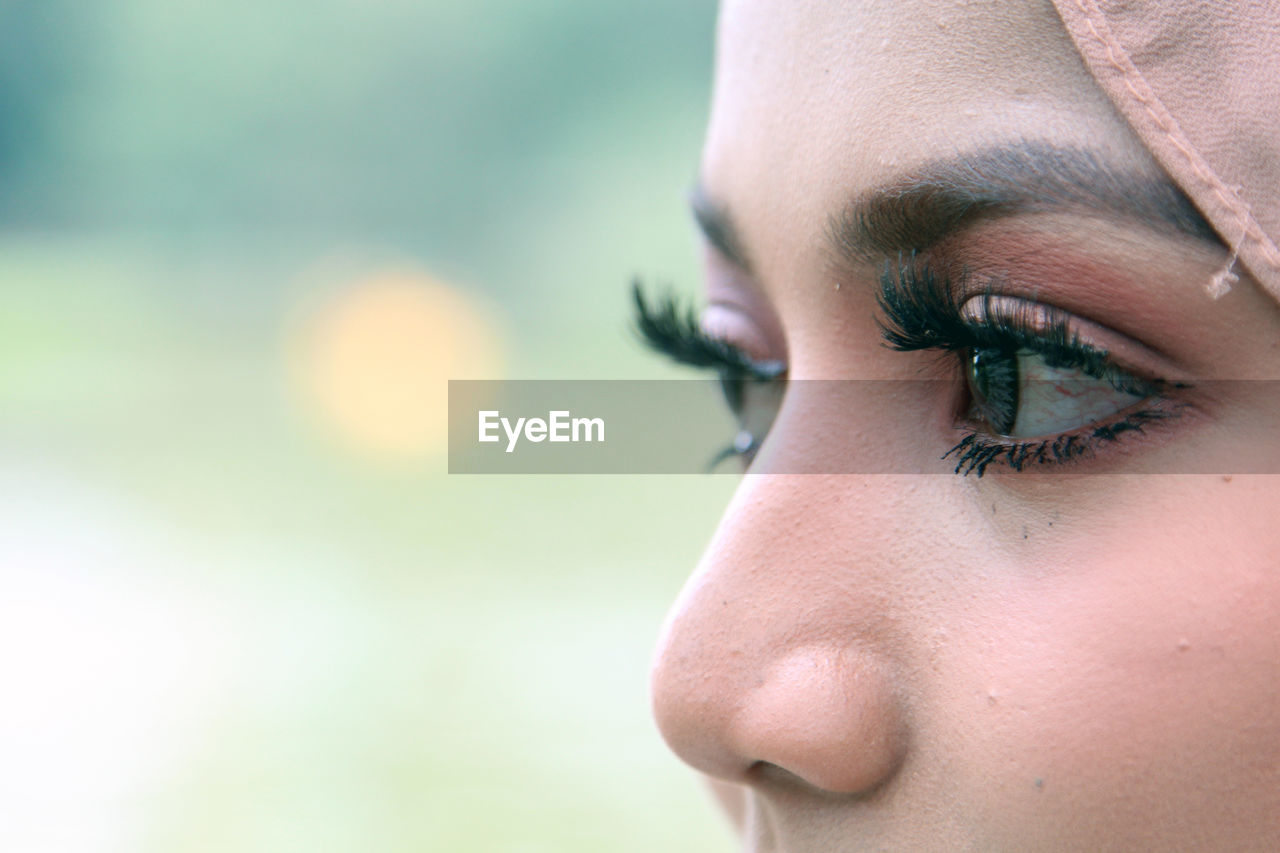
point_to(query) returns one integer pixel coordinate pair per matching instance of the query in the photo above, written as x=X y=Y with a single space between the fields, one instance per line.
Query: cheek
x=1132 y=677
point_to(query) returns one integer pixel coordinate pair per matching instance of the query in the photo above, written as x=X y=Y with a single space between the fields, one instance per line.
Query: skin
x=1026 y=661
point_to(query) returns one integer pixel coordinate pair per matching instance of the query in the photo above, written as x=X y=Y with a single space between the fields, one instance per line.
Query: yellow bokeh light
x=376 y=359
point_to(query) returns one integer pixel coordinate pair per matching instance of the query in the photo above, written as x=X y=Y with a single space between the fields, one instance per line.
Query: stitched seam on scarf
x=1143 y=93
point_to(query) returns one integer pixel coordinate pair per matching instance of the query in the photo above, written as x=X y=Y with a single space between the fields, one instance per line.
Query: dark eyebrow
x=717 y=228
x=918 y=210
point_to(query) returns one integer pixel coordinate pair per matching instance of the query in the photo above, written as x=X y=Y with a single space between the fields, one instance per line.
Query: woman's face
x=1074 y=656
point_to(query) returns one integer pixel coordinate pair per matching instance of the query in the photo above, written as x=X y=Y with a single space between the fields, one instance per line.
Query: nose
x=776 y=655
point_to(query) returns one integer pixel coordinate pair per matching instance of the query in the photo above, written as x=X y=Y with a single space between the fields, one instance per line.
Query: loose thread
x=1220 y=282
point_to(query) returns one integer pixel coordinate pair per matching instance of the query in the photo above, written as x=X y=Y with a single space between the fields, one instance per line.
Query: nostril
x=828 y=716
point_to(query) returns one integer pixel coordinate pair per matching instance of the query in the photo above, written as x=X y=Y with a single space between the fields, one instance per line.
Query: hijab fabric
x=1200 y=84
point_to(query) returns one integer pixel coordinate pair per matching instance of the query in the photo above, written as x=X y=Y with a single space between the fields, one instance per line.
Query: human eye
x=752 y=387
x=1035 y=391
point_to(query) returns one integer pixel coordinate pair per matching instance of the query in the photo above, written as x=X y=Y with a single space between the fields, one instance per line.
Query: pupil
x=993 y=383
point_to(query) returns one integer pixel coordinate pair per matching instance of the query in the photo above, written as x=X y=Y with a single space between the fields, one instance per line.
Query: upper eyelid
x=923 y=310
x=742 y=319
x=1047 y=329
x=674 y=331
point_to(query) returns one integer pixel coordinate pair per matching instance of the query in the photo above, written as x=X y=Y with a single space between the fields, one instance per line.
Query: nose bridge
x=776 y=653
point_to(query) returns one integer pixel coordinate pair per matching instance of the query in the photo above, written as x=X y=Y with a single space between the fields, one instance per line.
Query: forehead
x=818 y=102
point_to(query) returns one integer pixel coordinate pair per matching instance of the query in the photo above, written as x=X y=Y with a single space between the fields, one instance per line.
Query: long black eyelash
x=975 y=453
x=920 y=310
x=673 y=330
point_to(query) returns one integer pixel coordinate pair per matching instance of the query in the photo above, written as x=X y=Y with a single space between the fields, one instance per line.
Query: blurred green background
x=243 y=245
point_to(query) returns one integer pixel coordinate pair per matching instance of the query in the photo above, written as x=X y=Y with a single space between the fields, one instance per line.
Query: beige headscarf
x=1199 y=81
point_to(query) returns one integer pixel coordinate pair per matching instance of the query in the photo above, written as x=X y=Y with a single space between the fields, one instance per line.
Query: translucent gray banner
x=860 y=427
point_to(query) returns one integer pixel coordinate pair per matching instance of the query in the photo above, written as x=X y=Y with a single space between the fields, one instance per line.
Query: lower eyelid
x=1148 y=421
